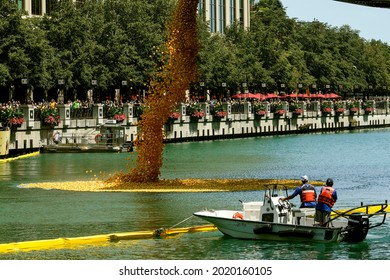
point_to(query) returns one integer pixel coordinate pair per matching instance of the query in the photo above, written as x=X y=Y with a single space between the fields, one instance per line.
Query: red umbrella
x=292 y=95
x=271 y=95
x=332 y=95
x=318 y=96
x=250 y=95
x=245 y=95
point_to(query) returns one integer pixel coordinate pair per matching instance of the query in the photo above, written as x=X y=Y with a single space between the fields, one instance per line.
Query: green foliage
x=338 y=105
x=112 y=40
x=48 y=111
x=259 y=106
x=194 y=108
x=50 y=115
x=114 y=110
x=326 y=104
x=276 y=106
x=368 y=104
x=294 y=106
x=353 y=104
x=11 y=115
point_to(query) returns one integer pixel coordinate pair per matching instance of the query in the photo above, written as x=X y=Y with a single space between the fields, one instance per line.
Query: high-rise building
x=222 y=13
x=36 y=7
x=218 y=13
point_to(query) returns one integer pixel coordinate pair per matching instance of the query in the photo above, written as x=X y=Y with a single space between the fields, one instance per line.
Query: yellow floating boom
x=19 y=157
x=61 y=243
x=369 y=209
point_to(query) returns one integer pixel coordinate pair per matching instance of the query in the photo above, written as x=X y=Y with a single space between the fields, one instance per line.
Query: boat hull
x=256 y=230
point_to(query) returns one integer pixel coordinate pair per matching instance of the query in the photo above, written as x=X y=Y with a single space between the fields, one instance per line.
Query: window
x=241 y=7
x=20 y=4
x=50 y=5
x=213 y=15
x=201 y=7
x=36 y=7
x=221 y=16
x=232 y=11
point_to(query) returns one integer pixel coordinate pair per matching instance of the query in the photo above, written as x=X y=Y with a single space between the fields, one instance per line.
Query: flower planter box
x=354 y=110
x=298 y=112
x=261 y=113
x=196 y=116
x=369 y=110
x=279 y=113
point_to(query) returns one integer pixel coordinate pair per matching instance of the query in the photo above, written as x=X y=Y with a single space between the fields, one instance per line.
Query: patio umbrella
x=271 y=95
x=318 y=96
x=245 y=95
x=292 y=95
x=238 y=95
x=332 y=96
x=250 y=95
x=260 y=96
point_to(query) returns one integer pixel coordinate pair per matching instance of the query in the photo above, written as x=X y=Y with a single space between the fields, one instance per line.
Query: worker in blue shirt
x=307 y=193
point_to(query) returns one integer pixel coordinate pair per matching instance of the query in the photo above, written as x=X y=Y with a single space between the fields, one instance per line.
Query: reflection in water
x=27 y=214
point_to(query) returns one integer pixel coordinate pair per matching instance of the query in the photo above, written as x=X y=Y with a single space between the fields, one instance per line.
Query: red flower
x=354 y=109
x=340 y=110
x=327 y=110
x=198 y=114
x=280 y=112
x=16 y=121
x=174 y=115
x=119 y=117
x=369 y=110
x=298 y=111
x=52 y=120
x=261 y=113
x=220 y=114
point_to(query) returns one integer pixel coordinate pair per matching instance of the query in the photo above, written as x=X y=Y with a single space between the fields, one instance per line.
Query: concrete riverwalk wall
x=243 y=122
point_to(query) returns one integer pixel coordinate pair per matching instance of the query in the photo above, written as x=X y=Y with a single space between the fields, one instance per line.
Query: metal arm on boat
x=369 y=211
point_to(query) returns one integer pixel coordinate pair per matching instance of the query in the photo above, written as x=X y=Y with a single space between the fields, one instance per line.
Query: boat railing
x=273 y=190
x=379 y=209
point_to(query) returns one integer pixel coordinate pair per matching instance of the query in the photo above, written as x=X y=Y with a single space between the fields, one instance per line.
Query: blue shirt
x=298 y=191
x=325 y=207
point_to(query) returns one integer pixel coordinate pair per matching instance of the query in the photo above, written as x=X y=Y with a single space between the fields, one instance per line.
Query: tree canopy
x=111 y=41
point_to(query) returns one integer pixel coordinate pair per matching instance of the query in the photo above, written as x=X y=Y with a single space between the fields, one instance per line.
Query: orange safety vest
x=308 y=194
x=326 y=196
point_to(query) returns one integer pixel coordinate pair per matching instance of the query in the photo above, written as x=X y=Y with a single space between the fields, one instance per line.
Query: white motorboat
x=274 y=219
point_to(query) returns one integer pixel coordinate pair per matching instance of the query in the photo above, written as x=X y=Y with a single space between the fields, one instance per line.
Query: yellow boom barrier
x=4 y=160
x=369 y=210
x=61 y=243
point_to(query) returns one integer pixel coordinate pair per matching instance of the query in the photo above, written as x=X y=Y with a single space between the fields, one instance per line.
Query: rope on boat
x=161 y=231
x=185 y=220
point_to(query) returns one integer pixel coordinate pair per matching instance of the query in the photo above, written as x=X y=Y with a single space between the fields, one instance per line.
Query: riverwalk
x=231 y=120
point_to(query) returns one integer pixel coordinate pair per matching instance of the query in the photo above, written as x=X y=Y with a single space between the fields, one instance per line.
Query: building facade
x=36 y=7
x=218 y=13
x=223 y=13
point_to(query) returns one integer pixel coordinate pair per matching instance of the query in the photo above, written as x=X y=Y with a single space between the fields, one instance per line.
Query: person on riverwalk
x=326 y=200
x=307 y=193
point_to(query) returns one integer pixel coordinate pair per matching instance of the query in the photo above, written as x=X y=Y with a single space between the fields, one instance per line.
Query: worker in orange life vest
x=307 y=193
x=326 y=200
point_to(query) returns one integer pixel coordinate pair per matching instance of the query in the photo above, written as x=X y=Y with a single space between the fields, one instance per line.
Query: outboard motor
x=358 y=225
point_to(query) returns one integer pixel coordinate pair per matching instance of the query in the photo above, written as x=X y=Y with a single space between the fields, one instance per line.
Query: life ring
x=98 y=138
x=238 y=216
